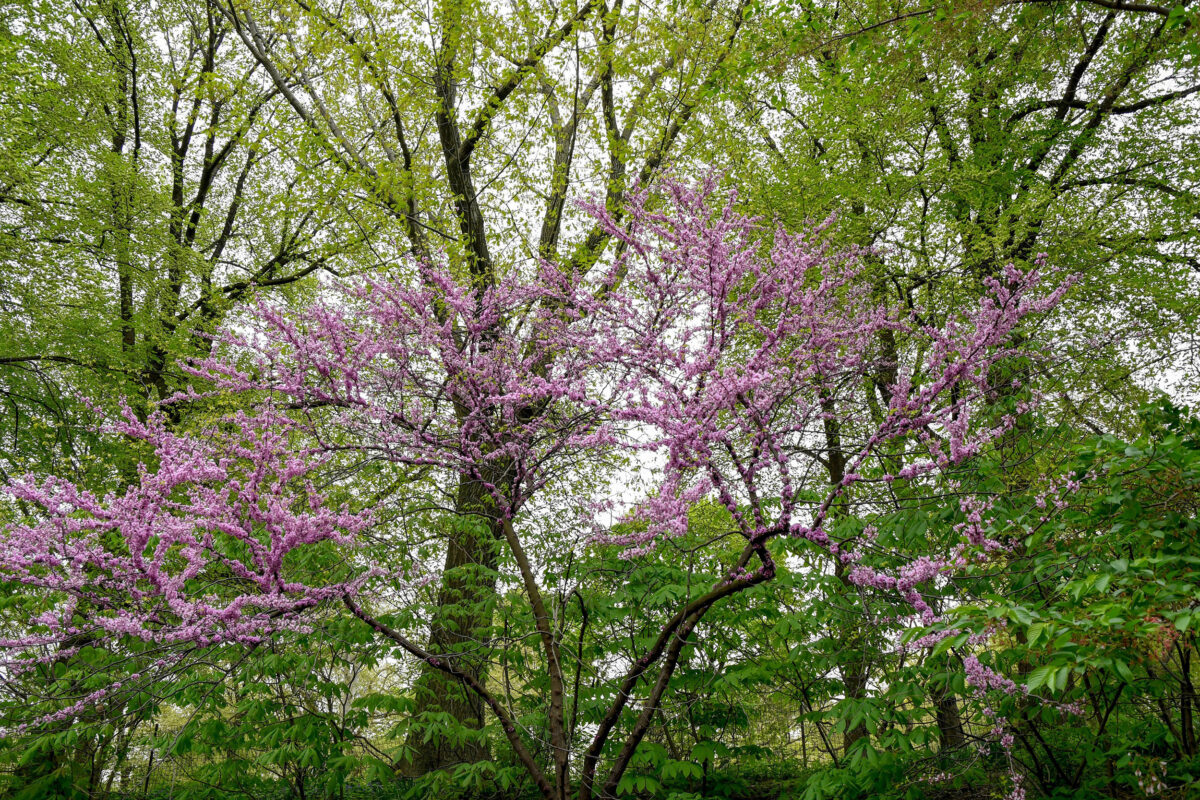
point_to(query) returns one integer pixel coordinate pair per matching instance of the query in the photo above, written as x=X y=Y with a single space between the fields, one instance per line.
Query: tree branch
x=1115 y=5
x=524 y=68
x=666 y=639
x=506 y=722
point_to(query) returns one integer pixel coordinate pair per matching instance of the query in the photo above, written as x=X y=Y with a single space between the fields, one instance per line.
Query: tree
x=713 y=350
x=1101 y=601
x=957 y=139
x=472 y=125
x=144 y=195
x=136 y=209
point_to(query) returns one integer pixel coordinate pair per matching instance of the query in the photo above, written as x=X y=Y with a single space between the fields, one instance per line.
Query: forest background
x=177 y=175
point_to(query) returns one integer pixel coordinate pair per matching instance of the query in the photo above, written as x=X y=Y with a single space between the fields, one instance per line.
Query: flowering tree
x=709 y=344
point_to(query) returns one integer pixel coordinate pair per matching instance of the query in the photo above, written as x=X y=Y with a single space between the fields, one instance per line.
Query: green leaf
x=1039 y=676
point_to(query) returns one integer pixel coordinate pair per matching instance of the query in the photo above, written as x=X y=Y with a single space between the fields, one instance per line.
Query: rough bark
x=460 y=627
x=949 y=721
x=851 y=665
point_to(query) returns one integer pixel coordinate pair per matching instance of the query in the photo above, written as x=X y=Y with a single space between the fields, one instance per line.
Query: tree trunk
x=1187 y=701
x=949 y=721
x=460 y=628
x=851 y=664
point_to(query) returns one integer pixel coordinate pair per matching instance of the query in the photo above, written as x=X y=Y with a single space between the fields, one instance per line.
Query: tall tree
x=143 y=196
x=956 y=139
x=137 y=205
x=472 y=127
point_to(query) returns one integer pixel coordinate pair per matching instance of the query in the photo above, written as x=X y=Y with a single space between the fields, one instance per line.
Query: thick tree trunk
x=851 y=664
x=949 y=721
x=460 y=628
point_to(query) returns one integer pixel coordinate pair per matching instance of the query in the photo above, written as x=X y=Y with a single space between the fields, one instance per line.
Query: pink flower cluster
x=194 y=552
